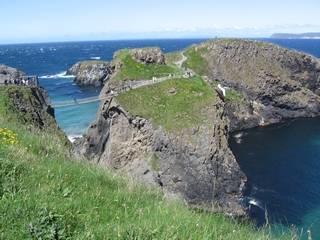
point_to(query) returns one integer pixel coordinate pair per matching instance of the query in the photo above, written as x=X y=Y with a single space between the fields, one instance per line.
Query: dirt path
x=183 y=59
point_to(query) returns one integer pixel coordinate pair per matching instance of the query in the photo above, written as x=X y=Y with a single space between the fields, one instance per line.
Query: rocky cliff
x=149 y=55
x=264 y=82
x=91 y=73
x=195 y=165
x=32 y=106
x=173 y=134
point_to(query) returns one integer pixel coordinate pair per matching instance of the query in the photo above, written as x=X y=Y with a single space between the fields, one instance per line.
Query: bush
x=50 y=226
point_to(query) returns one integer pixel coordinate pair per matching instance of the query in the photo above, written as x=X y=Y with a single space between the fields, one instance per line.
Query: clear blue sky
x=41 y=20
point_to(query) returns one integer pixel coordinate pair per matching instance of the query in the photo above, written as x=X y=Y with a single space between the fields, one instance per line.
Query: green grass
x=234 y=96
x=154 y=162
x=133 y=70
x=183 y=109
x=23 y=93
x=173 y=57
x=45 y=194
x=195 y=61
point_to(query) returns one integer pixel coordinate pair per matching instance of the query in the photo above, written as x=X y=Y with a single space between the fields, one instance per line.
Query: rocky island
x=91 y=73
x=166 y=120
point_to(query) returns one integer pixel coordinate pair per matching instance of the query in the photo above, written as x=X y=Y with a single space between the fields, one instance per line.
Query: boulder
x=149 y=55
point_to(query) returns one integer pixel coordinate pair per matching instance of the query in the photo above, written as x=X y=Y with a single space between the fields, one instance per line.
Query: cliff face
x=91 y=73
x=31 y=106
x=195 y=165
x=275 y=83
x=171 y=134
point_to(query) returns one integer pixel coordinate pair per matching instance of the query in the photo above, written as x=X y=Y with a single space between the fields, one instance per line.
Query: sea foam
x=73 y=138
x=58 y=75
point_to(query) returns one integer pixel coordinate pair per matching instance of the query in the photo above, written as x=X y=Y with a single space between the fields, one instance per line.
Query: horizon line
x=127 y=39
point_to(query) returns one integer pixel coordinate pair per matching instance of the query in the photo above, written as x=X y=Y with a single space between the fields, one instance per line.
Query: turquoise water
x=282 y=162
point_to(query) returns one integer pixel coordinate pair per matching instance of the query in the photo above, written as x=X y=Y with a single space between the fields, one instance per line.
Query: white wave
x=238 y=137
x=59 y=75
x=256 y=203
x=95 y=58
x=73 y=138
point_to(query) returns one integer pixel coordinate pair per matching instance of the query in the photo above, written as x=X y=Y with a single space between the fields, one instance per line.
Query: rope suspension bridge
x=75 y=102
x=127 y=86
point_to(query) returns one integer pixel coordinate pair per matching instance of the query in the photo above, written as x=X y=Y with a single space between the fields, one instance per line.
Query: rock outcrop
x=149 y=55
x=276 y=83
x=31 y=104
x=195 y=165
x=9 y=74
x=91 y=73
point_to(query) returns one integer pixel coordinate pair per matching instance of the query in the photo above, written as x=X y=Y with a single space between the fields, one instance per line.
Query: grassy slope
x=173 y=111
x=195 y=61
x=172 y=58
x=234 y=96
x=88 y=63
x=43 y=193
x=133 y=70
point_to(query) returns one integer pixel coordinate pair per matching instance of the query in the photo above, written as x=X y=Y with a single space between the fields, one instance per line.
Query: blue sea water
x=282 y=162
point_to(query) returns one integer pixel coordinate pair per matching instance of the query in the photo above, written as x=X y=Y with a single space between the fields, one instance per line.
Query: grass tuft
x=234 y=96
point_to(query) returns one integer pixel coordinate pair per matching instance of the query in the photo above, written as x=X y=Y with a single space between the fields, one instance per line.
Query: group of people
x=24 y=82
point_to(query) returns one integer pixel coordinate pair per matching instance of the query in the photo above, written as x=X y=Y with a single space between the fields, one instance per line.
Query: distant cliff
x=314 y=35
x=264 y=83
x=97 y=73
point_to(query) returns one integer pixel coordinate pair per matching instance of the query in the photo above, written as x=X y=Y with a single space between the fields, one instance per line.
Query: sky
x=66 y=20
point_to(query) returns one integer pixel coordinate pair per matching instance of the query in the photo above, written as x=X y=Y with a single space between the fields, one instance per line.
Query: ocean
x=282 y=161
